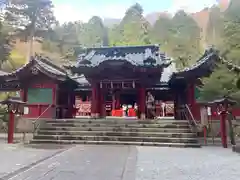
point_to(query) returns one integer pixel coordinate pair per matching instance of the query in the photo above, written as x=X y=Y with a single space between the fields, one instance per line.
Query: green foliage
x=221 y=83
x=133 y=29
x=93 y=33
x=14 y=61
x=67 y=38
x=184 y=43
x=30 y=17
x=161 y=31
x=5 y=45
x=179 y=37
x=224 y=33
x=231 y=32
x=215 y=26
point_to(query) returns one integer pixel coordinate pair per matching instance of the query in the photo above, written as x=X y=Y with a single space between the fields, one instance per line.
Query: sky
x=73 y=10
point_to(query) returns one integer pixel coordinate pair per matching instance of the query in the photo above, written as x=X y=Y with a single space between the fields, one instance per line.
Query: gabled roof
x=136 y=55
x=41 y=64
x=202 y=68
x=166 y=76
x=168 y=72
x=81 y=80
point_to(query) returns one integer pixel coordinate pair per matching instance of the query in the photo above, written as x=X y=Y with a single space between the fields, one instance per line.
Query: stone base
x=97 y=115
x=143 y=116
x=93 y=115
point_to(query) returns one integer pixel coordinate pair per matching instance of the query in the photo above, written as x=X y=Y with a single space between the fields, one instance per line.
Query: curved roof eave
x=202 y=68
x=43 y=65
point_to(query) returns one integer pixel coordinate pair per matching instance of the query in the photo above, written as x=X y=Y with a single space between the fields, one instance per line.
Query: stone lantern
x=223 y=105
x=14 y=106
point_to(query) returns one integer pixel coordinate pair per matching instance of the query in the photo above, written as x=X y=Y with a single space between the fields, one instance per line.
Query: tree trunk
x=30 y=48
x=30 y=41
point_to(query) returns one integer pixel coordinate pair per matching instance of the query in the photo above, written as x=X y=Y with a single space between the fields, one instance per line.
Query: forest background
x=29 y=26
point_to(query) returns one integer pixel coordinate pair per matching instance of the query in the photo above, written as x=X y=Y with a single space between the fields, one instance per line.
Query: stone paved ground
x=208 y=163
x=17 y=137
x=141 y=163
x=14 y=157
x=85 y=163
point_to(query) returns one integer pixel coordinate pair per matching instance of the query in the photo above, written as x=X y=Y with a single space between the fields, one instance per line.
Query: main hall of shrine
x=104 y=79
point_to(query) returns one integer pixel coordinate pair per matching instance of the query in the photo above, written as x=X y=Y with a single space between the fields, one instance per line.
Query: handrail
x=190 y=112
x=34 y=122
x=196 y=125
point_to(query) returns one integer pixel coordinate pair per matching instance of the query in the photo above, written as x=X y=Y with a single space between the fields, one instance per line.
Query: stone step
x=118 y=121
x=122 y=129
x=117 y=131
x=162 y=125
x=117 y=138
x=112 y=133
x=177 y=145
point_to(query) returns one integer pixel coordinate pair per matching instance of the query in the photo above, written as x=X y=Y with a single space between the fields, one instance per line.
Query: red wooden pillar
x=117 y=98
x=11 y=127
x=39 y=110
x=102 y=110
x=114 y=101
x=176 y=107
x=55 y=93
x=142 y=102
x=23 y=94
x=192 y=100
x=94 y=101
x=223 y=116
x=98 y=103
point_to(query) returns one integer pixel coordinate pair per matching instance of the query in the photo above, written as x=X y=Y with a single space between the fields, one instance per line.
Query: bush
x=3 y=114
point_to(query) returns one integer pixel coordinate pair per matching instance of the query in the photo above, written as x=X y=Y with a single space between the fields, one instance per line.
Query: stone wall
x=22 y=125
x=215 y=130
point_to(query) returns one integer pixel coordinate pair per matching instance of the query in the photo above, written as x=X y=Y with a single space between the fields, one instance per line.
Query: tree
x=215 y=26
x=133 y=29
x=231 y=32
x=30 y=17
x=5 y=45
x=93 y=33
x=222 y=82
x=161 y=32
x=185 y=40
x=224 y=32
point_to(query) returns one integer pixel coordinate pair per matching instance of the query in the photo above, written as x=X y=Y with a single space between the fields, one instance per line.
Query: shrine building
x=104 y=79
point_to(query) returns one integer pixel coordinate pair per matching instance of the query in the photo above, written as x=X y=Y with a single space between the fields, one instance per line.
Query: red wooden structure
x=46 y=88
x=105 y=79
x=114 y=76
x=223 y=106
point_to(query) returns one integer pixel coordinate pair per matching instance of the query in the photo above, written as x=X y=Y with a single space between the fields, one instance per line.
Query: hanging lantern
x=14 y=104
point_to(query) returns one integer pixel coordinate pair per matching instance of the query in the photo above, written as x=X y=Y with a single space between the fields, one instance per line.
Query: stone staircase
x=170 y=133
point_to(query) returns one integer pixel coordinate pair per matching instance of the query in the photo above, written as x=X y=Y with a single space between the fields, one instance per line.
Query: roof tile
x=136 y=55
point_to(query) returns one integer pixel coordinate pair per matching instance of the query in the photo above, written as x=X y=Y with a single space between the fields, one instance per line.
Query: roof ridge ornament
x=148 y=53
x=34 y=70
